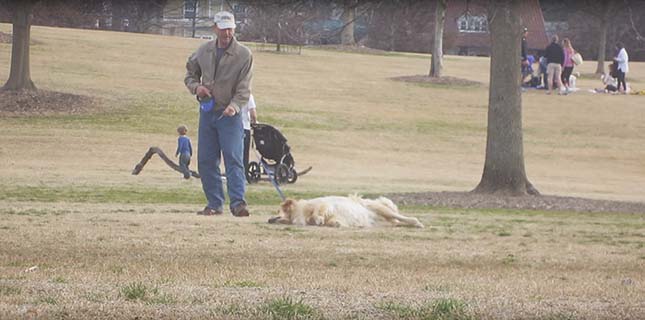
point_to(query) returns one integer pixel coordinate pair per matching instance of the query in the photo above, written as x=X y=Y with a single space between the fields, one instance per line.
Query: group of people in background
x=558 y=61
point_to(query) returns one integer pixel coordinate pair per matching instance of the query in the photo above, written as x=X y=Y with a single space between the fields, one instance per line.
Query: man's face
x=224 y=36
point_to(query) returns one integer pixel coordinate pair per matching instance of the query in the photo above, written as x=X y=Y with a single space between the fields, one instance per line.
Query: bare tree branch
x=639 y=37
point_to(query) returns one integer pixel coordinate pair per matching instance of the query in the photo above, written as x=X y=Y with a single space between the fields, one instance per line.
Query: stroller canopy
x=270 y=142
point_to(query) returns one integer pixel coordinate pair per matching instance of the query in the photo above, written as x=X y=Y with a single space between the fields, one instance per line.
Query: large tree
x=347 y=34
x=504 y=171
x=436 y=63
x=604 y=16
x=20 y=75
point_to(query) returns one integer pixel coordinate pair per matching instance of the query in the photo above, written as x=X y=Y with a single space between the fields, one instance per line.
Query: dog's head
x=285 y=213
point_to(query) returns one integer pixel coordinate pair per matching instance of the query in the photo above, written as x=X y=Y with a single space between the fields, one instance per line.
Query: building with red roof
x=466 y=27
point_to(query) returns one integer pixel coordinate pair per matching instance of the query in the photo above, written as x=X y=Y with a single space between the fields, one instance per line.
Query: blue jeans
x=219 y=137
x=184 y=162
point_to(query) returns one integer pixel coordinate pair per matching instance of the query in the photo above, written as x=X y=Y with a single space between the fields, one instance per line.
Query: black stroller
x=274 y=157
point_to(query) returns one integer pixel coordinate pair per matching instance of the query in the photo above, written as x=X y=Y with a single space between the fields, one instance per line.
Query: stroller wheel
x=253 y=173
x=293 y=175
x=281 y=173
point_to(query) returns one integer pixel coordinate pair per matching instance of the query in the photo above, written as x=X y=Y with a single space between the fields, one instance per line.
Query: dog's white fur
x=334 y=211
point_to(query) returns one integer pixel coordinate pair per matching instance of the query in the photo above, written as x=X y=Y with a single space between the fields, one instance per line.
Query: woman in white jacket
x=623 y=65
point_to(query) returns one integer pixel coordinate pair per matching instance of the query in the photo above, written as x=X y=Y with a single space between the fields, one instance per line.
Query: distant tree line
x=595 y=26
x=118 y=15
x=396 y=25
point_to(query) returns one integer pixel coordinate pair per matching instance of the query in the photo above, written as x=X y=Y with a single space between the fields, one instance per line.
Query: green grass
x=138 y=291
x=8 y=290
x=509 y=259
x=441 y=309
x=100 y=194
x=59 y=279
x=558 y=316
x=135 y=291
x=47 y=300
x=124 y=194
x=162 y=113
x=288 y=308
x=233 y=309
x=504 y=234
x=33 y=212
x=242 y=284
x=437 y=288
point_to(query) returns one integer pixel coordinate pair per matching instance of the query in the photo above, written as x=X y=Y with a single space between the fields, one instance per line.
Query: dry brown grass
x=501 y=264
x=362 y=133
x=360 y=130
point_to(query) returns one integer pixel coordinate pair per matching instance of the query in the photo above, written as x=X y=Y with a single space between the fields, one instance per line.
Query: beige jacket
x=231 y=83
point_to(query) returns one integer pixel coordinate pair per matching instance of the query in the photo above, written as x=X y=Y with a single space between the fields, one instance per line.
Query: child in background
x=609 y=84
x=543 y=64
x=184 y=150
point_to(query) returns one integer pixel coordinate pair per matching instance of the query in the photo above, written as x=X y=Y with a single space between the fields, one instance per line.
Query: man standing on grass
x=220 y=73
x=555 y=58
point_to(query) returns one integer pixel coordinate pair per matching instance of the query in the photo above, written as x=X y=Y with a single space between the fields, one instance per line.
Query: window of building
x=239 y=9
x=468 y=23
x=463 y=25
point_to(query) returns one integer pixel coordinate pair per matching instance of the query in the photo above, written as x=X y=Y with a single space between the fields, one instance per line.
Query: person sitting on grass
x=184 y=150
x=609 y=84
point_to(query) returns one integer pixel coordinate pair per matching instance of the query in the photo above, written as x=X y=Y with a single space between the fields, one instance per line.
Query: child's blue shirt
x=183 y=146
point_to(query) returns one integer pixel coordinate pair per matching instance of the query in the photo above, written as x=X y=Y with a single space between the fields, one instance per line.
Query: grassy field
x=82 y=238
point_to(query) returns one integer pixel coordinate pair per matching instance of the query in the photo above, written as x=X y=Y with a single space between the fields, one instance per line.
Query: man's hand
x=229 y=111
x=202 y=92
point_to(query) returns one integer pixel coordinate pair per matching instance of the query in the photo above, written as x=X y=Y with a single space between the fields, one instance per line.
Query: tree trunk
x=504 y=166
x=436 y=63
x=20 y=75
x=347 y=34
x=392 y=36
x=194 y=22
x=602 y=37
x=277 y=47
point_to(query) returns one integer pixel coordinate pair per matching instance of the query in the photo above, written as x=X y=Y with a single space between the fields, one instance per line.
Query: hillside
x=342 y=113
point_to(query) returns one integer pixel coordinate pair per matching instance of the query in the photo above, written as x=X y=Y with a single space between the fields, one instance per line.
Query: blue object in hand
x=206 y=104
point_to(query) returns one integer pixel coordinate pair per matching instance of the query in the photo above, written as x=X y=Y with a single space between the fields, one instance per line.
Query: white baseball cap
x=224 y=20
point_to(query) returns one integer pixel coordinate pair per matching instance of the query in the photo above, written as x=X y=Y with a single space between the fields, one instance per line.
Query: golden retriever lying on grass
x=352 y=211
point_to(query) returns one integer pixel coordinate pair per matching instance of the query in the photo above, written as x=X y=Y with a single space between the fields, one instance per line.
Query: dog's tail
x=386 y=209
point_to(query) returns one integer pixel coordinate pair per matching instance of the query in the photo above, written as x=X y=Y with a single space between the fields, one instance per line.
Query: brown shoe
x=210 y=212
x=240 y=211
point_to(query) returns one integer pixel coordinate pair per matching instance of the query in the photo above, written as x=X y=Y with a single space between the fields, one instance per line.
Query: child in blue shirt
x=184 y=150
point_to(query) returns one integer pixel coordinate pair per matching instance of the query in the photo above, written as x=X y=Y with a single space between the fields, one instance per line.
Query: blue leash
x=271 y=176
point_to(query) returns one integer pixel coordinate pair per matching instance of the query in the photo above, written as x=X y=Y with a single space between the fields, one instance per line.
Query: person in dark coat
x=554 y=54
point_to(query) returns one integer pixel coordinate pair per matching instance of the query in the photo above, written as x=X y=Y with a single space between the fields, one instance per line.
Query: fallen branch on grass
x=137 y=169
